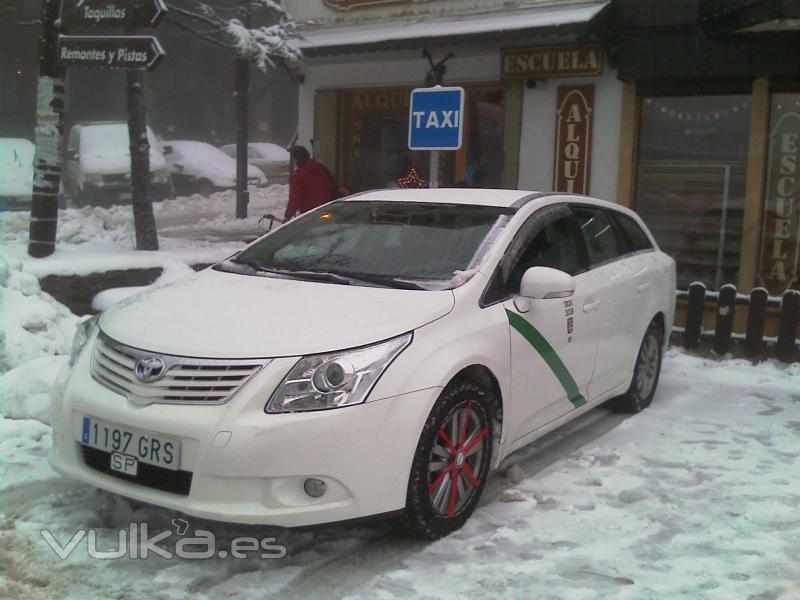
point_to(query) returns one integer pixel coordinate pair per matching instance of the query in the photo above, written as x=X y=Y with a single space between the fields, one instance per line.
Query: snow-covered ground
x=698 y=497
x=192 y=229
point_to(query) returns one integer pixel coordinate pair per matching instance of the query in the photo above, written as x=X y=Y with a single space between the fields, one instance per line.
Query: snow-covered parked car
x=198 y=167
x=272 y=159
x=378 y=355
x=16 y=173
x=98 y=164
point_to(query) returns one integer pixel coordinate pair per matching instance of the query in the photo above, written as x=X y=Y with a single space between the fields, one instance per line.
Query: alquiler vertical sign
x=573 y=147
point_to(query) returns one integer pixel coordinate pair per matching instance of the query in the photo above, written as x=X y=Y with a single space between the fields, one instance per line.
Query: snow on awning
x=374 y=37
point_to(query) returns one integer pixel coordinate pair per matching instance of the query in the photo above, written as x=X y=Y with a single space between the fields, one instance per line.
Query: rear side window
x=598 y=233
x=634 y=236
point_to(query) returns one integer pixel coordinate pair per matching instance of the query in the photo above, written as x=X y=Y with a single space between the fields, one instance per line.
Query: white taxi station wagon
x=376 y=356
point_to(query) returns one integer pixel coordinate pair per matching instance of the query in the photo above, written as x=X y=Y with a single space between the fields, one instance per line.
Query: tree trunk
x=48 y=137
x=143 y=220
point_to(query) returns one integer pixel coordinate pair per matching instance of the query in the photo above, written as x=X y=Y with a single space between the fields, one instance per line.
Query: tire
x=434 y=505
x=646 y=372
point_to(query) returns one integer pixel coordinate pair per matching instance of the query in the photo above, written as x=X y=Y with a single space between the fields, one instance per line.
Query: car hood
x=216 y=314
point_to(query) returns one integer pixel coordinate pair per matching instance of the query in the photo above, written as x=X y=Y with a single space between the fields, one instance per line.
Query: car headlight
x=83 y=334
x=93 y=178
x=160 y=177
x=335 y=379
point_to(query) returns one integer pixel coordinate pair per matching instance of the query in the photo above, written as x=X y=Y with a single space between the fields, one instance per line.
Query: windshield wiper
x=384 y=280
x=339 y=277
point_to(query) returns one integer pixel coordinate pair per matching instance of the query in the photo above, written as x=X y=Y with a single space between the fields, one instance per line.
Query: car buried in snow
x=201 y=168
x=376 y=356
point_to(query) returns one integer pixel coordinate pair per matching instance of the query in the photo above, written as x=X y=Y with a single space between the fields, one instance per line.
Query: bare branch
x=201 y=34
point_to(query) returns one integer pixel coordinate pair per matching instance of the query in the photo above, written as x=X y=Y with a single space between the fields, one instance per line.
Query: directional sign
x=127 y=14
x=435 y=118
x=130 y=52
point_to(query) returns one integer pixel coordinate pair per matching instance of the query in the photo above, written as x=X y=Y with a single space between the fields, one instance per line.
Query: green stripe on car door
x=545 y=350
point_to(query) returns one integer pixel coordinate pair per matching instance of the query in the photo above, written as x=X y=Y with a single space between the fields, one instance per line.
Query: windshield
x=435 y=246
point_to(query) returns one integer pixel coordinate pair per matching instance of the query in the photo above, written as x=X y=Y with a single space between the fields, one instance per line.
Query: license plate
x=124 y=464
x=145 y=447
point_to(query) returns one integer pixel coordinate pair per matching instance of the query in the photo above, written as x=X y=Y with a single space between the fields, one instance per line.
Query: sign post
x=435 y=123
x=133 y=53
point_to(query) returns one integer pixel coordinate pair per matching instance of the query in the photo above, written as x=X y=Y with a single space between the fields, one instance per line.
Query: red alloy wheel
x=456 y=457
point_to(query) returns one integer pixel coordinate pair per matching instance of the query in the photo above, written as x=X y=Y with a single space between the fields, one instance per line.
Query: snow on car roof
x=271 y=152
x=477 y=197
x=200 y=150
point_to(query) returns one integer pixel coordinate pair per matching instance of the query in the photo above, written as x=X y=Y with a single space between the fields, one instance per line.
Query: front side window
x=431 y=246
x=598 y=234
x=691 y=182
x=553 y=246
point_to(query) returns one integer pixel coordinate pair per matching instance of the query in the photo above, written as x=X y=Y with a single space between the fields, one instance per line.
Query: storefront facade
x=712 y=134
x=354 y=96
x=687 y=111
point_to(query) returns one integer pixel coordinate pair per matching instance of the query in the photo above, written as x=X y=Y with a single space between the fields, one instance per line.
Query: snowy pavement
x=192 y=230
x=698 y=497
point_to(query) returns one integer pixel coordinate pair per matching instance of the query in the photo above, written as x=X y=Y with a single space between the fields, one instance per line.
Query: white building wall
x=537 y=139
x=536 y=155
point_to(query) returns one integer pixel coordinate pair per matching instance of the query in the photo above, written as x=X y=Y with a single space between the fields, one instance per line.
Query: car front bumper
x=248 y=466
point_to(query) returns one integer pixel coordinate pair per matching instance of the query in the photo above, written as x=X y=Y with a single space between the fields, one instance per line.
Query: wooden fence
x=752 y=343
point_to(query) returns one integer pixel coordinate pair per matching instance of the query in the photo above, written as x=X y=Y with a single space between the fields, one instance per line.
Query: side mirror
x=544 y=283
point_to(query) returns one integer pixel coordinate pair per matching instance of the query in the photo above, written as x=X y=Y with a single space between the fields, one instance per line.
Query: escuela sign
x=780 y=255
x=573 y=147
x=552 y=61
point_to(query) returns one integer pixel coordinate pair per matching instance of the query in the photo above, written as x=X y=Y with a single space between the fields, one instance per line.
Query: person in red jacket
x=311 y=184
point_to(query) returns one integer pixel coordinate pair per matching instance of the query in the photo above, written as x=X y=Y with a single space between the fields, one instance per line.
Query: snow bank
x=172 y=272
x=32 y=323
x=25 y=391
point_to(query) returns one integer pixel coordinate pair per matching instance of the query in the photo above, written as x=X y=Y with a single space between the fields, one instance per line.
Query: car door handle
x=591 y=306
x=643 y=287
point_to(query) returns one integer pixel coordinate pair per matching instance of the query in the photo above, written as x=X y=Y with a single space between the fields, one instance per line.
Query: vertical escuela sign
x=573 y=144
x=780 y=252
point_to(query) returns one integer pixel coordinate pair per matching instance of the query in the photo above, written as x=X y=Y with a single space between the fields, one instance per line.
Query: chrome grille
x=185 y=380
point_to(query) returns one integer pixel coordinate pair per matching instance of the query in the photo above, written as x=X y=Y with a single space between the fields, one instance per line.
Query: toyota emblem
x=150 y=369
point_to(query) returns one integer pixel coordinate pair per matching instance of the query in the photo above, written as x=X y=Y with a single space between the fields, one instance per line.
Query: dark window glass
x=633 y=236
x=412 y=241
x=554 y=246
x=597 y=232
x=691 y=182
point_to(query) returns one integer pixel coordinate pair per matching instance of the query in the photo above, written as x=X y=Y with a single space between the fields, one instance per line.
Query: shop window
x=691 y=182
x=780 y=251
x=374 y=147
